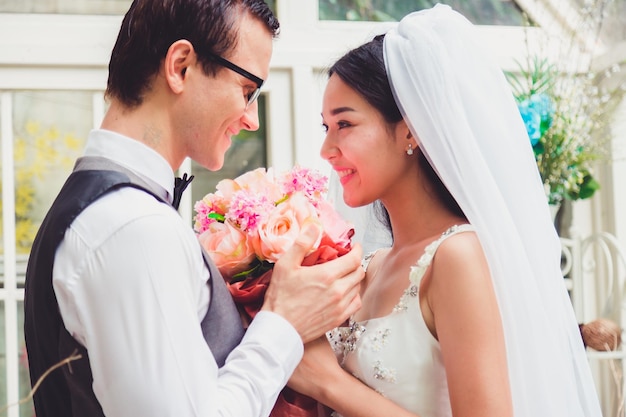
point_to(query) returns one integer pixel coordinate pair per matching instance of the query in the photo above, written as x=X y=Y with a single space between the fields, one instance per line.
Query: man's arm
x=132 y=299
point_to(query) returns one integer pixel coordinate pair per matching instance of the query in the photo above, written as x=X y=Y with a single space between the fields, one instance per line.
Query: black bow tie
x=179 y=186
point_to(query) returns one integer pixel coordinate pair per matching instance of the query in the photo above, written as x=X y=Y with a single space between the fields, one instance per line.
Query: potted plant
x=566 y=109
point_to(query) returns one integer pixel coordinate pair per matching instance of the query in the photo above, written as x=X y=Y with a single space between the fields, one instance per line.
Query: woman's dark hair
x=150 y=27
x=363 y=70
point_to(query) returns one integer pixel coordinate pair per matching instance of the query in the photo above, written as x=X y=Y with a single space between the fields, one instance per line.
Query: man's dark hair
x=150 y=27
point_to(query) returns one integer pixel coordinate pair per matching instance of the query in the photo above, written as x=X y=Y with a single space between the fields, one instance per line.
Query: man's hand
x=315 y=299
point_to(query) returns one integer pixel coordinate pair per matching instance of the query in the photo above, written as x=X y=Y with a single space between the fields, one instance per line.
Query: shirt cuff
x=281 y=340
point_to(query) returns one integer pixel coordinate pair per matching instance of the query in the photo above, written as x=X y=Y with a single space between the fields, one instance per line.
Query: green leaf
x=588 y=187
x=257 y=268
x=216 y=216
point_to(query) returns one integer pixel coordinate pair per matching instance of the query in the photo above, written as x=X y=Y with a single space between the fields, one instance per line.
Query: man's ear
x=180 y=55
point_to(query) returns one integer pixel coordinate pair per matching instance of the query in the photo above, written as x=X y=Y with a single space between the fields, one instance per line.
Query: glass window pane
x=272 y=5
x=248 y=151
x=103 y=7
x=50 y=128
x=481 y=12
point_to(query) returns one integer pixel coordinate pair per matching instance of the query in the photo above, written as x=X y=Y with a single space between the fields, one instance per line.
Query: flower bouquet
x=249 y=222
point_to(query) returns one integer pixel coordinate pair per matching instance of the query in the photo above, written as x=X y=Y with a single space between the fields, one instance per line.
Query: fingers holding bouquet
x=316 y=298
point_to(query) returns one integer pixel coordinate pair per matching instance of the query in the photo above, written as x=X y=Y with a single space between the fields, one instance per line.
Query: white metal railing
x=594 y=268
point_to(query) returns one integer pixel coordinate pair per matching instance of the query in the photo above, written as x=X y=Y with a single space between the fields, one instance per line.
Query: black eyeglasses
x=258 y=81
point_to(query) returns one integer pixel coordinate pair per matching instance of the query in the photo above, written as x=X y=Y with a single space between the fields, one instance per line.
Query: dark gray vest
x=68 y=391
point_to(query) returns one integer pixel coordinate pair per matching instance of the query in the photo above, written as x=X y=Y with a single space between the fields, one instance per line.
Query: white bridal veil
x=460 y=108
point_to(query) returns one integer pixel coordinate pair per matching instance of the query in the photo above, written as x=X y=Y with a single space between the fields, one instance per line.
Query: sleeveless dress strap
x=366 y=260
x=420 y=267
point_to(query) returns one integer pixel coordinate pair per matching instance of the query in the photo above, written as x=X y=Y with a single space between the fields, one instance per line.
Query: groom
x=117 y=277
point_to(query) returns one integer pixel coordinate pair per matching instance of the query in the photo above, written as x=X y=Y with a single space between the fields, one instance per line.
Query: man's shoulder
x=117 y=210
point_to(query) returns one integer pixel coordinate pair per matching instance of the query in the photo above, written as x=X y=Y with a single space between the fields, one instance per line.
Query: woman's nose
x=328 y=150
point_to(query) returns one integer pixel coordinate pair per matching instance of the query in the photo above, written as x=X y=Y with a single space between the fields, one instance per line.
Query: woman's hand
x=319 y=376
x=317 y=370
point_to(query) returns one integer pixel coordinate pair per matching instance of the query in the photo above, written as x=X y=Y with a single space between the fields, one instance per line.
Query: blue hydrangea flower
x=544 y=106
x=537 y=112
x=532 y=120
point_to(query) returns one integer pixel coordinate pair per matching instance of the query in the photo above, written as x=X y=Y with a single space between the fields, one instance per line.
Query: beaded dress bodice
x=396 y=354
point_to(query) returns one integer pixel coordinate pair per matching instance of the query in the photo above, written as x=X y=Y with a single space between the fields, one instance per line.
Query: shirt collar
x=133 y=155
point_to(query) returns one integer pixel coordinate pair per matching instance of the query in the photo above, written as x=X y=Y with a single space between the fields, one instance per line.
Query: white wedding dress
x=396 y=354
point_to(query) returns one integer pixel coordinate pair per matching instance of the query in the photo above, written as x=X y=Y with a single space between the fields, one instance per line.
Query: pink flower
x=311 y=183
x=210 y=209
x=228 y=247
x=277 y=233
x=248 y=209
x=338 y=230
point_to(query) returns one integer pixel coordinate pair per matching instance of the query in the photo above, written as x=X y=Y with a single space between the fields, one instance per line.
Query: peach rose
x=259 y=180
x=277 y=233
x=228 y=248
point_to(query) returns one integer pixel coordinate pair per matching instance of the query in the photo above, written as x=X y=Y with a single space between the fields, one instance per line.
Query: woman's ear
x=180 y=55
x=405 y=137
x=412 y=139
x=402 y=130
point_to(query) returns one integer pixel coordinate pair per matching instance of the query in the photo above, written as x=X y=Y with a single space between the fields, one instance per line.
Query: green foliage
x=539 y=78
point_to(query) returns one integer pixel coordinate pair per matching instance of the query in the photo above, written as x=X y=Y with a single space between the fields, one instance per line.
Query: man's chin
x=212 y=164
x=215 y=166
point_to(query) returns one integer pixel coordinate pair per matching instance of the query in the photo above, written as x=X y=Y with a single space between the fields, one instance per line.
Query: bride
x=466 y=313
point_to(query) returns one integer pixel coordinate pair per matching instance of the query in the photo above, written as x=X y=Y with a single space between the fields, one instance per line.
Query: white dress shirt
x=131 y=285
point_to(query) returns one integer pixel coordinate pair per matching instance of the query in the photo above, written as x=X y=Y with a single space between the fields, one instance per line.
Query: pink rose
x=338 y=230
x=228 y=248
x=277 y=232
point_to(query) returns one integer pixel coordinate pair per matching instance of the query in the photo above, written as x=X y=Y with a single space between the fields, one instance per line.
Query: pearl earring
x=409 y=151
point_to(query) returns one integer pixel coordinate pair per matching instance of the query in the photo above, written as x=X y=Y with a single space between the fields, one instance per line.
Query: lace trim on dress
x=366 y=260
x=420 y=267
